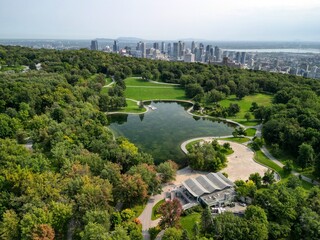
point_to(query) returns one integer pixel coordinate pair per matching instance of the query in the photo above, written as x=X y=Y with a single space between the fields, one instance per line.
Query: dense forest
x=75 y=178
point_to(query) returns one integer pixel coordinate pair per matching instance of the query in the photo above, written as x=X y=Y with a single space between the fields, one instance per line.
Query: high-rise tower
x=163 y=47
x=243 y=58
x=115 y=46
x=217 y=53
x=94 y=45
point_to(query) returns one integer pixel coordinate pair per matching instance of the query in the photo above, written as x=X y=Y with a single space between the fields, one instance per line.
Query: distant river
x=278 y=50
x=161 y=132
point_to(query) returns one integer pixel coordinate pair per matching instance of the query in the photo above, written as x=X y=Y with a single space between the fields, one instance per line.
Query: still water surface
x=161 y=132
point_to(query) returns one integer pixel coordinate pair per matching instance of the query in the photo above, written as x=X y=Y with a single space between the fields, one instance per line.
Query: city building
x=163 y=47
x=143 y=49
x=115 y=47
x=169 y=50
x=193 y=46
x=156 y=45
x=209 y=53
x=189 y=57
x=217 y=54
x=181 y=49
x=176 y=51
x=243 y=58
x=94 y=45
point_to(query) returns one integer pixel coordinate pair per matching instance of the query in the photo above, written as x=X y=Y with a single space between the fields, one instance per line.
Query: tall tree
x=171 y=211
x=206 y=221
x=306 y=155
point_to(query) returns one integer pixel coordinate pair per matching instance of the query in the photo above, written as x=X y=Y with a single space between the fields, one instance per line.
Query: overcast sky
x=286 y=20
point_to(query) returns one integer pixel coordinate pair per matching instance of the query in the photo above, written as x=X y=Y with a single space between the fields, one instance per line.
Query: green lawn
x=251 y=132
x=236 y=139
x=245 y=103
x=138 y=209
x=188 y=222
x=108 y=80
x=155 y=215
x=261 y=158
x=132 y=81
x=140 y=89
x=155 y=93
x=132 y=107
x=249 y=123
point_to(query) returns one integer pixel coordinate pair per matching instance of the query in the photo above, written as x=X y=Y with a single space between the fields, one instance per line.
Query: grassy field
x=249 y=123
x=251 y=132
x=132 y=81
x=245 y=103
x=132 y=107
x=158 y=93
x=236 y=139
x=155 y=208
x=140 y=89
x=188 y=222
x=261 y=158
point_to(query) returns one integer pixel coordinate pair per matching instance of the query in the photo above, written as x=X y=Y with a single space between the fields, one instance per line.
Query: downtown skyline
x=203 y=19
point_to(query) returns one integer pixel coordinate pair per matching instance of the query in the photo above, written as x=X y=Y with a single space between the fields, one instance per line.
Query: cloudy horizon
x=232 y=20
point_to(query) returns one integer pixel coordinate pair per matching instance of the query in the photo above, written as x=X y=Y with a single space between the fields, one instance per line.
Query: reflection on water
x=161 y=132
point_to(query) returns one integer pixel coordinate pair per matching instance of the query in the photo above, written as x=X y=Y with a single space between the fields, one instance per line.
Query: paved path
x=108 y=85
x=240 y=164
x=134 y=86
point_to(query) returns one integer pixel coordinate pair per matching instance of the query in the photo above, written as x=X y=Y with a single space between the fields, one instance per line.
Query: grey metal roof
x=207 y=184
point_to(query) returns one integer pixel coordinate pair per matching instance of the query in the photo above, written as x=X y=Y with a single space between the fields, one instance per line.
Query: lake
x=160 y=132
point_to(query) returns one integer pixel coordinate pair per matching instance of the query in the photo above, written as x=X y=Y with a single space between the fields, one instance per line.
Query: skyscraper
x=169 y=49
x=156 y=45
x=176 y=50
x=94 y=45
x=217 y=53
x=243 y=58
x=209 y=53
x=193 y=46
x=144 y=49
x=238 y=57
x=163 y=47
x=181 y=49
x=115 y=46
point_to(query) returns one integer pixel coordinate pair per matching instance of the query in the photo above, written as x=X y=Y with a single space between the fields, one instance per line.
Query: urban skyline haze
x=272 y=20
